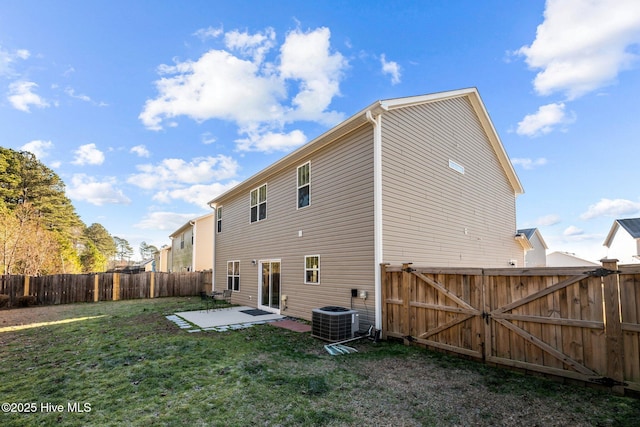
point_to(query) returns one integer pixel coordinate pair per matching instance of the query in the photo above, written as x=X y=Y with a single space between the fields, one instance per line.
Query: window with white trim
x=219 y=219
x=233 y=275
x=259 y=203
x=304 y=185
x=312 y=269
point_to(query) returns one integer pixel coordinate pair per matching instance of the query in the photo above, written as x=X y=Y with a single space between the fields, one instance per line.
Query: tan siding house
x=422 y=179
x=192 y=245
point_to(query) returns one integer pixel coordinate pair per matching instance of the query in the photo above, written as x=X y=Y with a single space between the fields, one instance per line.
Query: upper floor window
x=219 y=219
x=304 y=185
x=182 y=241
x=259 y=203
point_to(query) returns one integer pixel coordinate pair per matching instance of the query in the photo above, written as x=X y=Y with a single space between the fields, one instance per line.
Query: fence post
x=383 y=298
x=152 y=284
x=406 y=296
x=26 y=286
x=613 y=325
x=96 y=288
x=116 y=287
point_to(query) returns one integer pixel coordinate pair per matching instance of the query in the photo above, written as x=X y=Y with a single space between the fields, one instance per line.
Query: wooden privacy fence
x=580 y=323
x=72 y=288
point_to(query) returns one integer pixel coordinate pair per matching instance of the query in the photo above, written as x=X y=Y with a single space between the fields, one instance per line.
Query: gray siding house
x=422 y=179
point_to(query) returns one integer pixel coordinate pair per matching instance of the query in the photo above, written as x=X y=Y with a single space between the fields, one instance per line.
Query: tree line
x=40 y=231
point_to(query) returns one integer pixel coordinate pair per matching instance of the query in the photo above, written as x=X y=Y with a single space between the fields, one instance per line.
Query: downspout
x=377 y=210
x=213 y=252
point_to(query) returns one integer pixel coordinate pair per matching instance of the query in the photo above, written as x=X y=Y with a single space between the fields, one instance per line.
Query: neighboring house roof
x=530 y=232
x=566 y=259
x=364 y=116
x=631 y=225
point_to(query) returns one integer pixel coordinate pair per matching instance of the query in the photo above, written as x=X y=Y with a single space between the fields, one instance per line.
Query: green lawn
x=133 y=367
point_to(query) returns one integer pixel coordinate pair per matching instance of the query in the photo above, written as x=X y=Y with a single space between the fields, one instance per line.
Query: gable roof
x=363 y=117
x=530 y=232
x=631 y=225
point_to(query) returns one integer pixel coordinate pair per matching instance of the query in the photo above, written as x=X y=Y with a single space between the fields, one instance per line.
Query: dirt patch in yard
x=26 y=316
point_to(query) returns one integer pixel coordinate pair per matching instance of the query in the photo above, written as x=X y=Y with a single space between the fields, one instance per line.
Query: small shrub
x=26 y=301
x=4 y=300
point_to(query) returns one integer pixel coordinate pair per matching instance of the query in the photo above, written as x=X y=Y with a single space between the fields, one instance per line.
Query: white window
x=219 y=219
x=259 y=203
x=233 y=275
x=312 y=269
x=304 y=185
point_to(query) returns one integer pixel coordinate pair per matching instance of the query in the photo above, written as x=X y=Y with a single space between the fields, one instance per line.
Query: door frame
x=259 y=301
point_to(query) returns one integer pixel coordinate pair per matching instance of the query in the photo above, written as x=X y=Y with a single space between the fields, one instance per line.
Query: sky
x=147 y=110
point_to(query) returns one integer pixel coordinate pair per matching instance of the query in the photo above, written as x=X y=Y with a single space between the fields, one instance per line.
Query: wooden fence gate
x=560 y=321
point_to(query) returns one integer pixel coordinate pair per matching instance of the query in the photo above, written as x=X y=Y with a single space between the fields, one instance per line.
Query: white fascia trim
x=377 y=212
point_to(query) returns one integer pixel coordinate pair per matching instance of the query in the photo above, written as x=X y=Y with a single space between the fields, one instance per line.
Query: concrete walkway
x=221 y=319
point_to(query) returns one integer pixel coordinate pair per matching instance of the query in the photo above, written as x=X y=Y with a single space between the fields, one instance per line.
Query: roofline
x=360 y=118
x=191 y=222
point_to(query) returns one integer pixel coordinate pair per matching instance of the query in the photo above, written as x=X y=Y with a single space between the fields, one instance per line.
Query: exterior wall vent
x=334 y=323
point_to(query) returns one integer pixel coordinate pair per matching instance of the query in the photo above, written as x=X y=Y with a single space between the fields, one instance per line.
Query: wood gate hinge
x=602 y=272
x=408 y=270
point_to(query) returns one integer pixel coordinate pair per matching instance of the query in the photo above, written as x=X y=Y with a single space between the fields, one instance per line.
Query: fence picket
x=73 y=288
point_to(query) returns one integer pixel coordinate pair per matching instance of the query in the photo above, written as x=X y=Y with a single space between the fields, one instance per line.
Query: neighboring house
x=623 y=241
x=423 y=179
x=192 y=245
x=566 y=259
x=534 y=246
x=163 y=259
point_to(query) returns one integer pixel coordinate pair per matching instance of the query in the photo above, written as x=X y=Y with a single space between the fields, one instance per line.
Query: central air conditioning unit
x=334 y=323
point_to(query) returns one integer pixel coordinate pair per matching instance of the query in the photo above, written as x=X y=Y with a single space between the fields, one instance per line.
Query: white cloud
x=169 y=221
x=391 y=68
x=88 y=189
x=198 y=194
x=548 y=220
x=8 y=58
x=88 y=154
x=140 y=150
x=239 y=85
x=307 y=58
x=269 y=141
x=208 y=33
x=174 y=173
x=546 y=119
x=85 y=98
x=216 y=86
x=611 y=208
x=38 y=147
x=583 y=45
x=207 y=138
x=572 y=231
x=22 y=96
x=254 y=46
x=529 y=163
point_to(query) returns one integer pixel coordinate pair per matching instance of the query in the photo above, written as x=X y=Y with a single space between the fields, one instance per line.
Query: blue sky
x=149 y=109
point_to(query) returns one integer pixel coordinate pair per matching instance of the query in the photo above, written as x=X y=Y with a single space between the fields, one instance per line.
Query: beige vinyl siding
x=337 y=225
x=203 y=250
x=427 y=205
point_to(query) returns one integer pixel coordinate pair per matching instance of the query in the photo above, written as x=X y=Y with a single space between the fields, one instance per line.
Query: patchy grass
x=133 y=367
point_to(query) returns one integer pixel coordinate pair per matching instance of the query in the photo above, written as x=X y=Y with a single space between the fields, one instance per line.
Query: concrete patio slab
x=232 y=317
